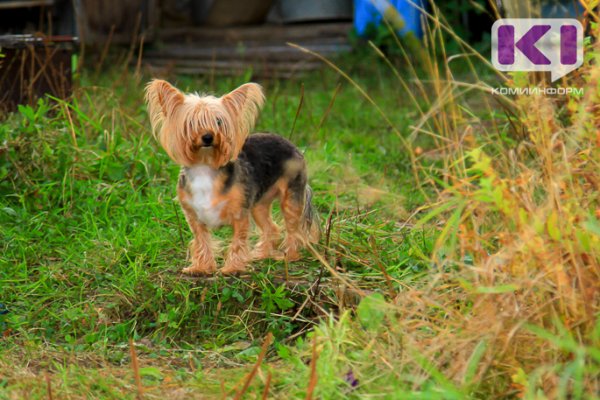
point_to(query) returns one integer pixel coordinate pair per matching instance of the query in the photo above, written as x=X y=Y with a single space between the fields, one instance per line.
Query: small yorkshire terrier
x=227 y=174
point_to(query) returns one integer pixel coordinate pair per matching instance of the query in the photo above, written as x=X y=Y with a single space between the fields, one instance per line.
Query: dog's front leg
x=203 y=261
x=238 y=254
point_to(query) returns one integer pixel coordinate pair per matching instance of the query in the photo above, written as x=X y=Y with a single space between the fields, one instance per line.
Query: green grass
x=92 y=238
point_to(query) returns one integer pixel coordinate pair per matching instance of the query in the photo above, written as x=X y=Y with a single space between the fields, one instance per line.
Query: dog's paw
x=198 y=271
x=287 y=255
x=291 y=257
x=260 y=254
x=232 y=270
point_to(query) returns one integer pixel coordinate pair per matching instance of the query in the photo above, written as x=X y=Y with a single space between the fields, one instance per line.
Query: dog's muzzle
x=207 y=139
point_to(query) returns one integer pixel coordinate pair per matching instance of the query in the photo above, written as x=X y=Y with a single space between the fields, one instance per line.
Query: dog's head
x=195 y=129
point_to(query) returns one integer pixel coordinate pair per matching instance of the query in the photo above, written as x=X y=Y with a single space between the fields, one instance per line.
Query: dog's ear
x=244 y=104
x=162 y=99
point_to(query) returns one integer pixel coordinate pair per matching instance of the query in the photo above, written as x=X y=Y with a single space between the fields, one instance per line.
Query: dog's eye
x=219 y=122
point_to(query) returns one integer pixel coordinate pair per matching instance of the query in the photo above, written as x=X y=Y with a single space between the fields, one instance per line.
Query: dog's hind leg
x=292 y=207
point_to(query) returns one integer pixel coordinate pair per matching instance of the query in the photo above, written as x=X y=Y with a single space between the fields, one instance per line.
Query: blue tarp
x=370 y=12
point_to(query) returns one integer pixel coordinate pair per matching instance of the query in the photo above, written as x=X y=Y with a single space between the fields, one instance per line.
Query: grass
x=93 y=239
x=460 y=257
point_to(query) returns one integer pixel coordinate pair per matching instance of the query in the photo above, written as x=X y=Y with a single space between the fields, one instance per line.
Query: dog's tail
x=311 y=224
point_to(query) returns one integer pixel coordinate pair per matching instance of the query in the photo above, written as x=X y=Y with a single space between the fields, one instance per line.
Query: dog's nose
x=207 y=139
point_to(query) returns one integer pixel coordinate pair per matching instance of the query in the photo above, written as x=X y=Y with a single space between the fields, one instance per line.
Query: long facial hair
x=180 y=120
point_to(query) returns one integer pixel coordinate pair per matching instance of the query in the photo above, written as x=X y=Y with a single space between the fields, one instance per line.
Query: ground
x=459 y=256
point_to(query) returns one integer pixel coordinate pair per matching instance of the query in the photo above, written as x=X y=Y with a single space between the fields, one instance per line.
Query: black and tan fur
x=228 y=176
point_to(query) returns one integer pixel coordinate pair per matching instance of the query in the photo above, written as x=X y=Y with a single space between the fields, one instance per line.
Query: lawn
x=93 y=240
x=433 y=239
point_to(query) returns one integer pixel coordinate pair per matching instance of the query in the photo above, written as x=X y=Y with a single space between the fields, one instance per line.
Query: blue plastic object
x=370 y=12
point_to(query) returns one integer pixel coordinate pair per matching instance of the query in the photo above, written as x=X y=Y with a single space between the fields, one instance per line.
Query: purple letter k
x=527 y=44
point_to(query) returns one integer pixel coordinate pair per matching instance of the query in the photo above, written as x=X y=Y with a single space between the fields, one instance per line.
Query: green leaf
x=448 y=234
x=151 y=372
x=251 y=353
x=552 y=225
x=592 y=225
x=584 y=240
x=10 y=211
x=283 y=303
x=435 y=212
x=478 y=353
x=497 y=289
x=162 y=318
x=371 y=311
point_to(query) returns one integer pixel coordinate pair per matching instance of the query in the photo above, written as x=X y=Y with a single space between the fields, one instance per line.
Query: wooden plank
x=234 y=64
x=282 y=33
x=267 y=52
x=256 y=73
x=5 y=5
x=263 y=48
x=280 y=70
x=259 y=42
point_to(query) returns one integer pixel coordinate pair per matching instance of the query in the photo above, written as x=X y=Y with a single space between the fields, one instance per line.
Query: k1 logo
x=537 y=44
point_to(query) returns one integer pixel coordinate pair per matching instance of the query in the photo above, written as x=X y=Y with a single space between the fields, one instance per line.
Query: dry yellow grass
x=513 y=309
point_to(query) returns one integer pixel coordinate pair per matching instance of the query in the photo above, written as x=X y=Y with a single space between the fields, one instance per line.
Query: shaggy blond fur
x=179 y=120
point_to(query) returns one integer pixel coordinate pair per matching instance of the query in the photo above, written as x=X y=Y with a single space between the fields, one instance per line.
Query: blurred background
x=43 y=42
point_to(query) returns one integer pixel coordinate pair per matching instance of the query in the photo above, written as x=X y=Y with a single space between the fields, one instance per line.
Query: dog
x=227 y=175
